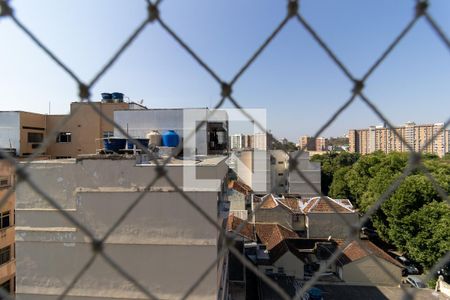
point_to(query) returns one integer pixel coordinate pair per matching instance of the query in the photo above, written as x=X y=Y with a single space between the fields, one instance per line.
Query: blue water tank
x=106 y=96
x=170 y=139
x=114 y=144
x=144 y=143
x=117 y=96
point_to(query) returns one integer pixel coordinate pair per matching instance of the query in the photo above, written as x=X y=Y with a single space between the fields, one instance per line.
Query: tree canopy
x=414 y=218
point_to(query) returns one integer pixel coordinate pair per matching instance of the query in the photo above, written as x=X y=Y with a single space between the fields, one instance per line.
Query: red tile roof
x=325 y=205
x=359 y=249
x=292 y=204
x=240 y=187
x=268 y=202
x=273 y=234
x=247 y=230
x=283 y=247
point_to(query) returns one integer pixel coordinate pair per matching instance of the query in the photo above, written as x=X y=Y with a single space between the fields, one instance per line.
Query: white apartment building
x=237 y=141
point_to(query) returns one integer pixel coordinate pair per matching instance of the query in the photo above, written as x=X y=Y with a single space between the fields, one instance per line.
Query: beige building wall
x=388 y=140
x=7 y=233
x=279 y=171
x=366 y=271
x=352 y=141
x=85 y=126
x=33 y=130
x=291 y=264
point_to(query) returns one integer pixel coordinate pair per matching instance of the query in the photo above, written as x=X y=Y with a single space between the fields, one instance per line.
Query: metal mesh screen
x=293 y=15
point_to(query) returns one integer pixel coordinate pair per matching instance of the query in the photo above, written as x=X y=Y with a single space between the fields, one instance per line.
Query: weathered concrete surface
x=163 y=242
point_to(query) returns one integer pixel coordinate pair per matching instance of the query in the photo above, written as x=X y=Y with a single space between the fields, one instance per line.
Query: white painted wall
x=10 y=129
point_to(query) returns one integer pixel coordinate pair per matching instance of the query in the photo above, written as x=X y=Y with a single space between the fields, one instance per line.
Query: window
x=35 y=137
x=4 y=182
x=295 y=218
x=5 y=220
x=6 y=286
x=281 y=162
x=5 y=255
x=280 y=174
x=64 y=137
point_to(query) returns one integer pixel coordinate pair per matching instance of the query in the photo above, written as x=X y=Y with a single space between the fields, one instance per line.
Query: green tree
x=428 y=233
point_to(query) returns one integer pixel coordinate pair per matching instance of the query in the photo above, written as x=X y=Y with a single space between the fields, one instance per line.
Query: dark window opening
x=35 y=137
x=5 y=220
x=5 y=255
x=4 y=182
x=64 y=137
x=6 y=286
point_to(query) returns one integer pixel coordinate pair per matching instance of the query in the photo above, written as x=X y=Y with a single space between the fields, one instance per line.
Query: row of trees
x=414 y=218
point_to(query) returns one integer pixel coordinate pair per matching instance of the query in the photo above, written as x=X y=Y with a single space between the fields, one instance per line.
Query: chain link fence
x=419 y=10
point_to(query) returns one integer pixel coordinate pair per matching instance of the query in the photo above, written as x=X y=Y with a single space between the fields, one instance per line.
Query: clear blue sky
x=294 y=79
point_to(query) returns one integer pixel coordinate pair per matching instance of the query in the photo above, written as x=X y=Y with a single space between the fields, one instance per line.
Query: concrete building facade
x=163 y=242
x=25 y=131
x=379 y=138
x=307 y=143
x=311 y=170
x=7 y=230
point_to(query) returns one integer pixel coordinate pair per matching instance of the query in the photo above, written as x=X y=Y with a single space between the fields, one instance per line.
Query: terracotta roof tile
x=247 y=230
x=273 y=234
x=363 y=248
x=291 y=203
x=240 y=187
x=325 y=205
x=269 y=202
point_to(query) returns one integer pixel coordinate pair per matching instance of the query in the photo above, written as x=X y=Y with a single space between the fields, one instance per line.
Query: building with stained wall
x=163 y=242
x=7 y=228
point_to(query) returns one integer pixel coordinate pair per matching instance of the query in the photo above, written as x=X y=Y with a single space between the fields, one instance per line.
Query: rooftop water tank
x=117 y=97
x=170 y=138
x=144 y=143
x=106 y=97
x=114 y=144
x=154 y=138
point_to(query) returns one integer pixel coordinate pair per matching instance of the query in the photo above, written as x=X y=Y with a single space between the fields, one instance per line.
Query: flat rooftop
x=210 y=160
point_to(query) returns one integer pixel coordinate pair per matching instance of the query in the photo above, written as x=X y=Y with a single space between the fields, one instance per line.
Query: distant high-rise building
x=261 y=141
x=321 y=144
x=308 y=143
x=249 y=141
x=257 y=141
x=379 y=138
x=237 y=141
